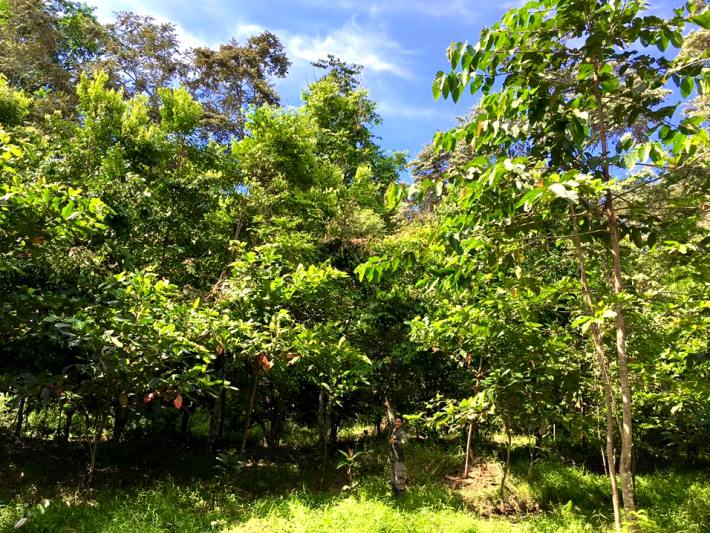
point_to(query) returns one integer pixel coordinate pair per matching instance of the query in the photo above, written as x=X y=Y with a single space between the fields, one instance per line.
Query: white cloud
x=393 y=110
x=513 y=4
x=370 y=47
x=351 y=43
x=437 y=8
x=243 y=31
x=105 y=13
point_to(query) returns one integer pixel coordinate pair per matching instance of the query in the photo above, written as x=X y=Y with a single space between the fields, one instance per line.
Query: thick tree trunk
x=390 y=413
x=603 y=370
x=250 y=409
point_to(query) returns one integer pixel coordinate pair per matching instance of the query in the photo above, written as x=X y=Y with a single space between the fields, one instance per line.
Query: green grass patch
x=286 y=490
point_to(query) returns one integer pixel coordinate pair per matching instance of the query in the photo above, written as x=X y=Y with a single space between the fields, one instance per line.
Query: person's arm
x=390 y=413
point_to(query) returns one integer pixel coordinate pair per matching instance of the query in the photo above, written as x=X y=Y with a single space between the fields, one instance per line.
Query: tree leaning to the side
x=581 y=87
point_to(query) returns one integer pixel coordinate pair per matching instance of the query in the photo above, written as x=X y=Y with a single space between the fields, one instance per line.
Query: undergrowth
x=289 y=492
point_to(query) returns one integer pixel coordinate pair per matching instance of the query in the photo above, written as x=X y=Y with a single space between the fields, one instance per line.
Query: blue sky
x=401 y=44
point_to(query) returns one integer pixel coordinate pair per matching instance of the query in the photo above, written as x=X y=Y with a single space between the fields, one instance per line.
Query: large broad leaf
x=561 y=191
x=686 y=86
x=702 y=20
x=436 y=86
x=585 y=71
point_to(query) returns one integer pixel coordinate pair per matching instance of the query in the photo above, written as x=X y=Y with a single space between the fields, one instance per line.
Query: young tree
x=571 y=77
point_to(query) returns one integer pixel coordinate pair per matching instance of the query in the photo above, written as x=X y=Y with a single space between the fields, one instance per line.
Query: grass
x=285 y=490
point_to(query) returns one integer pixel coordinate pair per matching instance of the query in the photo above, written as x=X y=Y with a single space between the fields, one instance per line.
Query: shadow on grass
x=162 y=486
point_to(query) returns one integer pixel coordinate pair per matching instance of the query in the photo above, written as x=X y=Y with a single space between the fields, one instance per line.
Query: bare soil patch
x=480 y=490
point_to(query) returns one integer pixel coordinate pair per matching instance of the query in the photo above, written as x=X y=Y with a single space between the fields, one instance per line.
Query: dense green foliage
x=180 y=256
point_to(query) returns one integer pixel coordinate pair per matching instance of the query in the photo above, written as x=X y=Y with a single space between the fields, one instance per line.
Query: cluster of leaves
x=499 y=276
x=155 y=259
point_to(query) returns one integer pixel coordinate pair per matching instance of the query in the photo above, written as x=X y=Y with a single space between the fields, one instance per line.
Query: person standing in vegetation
x=398 y=440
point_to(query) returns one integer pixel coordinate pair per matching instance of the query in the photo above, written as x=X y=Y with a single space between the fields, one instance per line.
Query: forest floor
x=168 y=487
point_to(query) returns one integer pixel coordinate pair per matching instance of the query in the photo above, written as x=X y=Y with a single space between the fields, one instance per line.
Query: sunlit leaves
x=702 y=19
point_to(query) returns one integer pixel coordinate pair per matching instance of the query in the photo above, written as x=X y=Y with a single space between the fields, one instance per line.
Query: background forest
x=207 y=297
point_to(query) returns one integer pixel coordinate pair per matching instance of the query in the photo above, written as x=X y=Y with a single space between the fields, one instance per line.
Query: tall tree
x=227 y=80
x=142 y=55
x=346 y=117
x=45 y=45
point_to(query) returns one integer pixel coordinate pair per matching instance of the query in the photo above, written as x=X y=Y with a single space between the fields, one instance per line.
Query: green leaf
x=476 y=83
x=453 y=52
x=454 y=84
x=662 y=41
x=561 y=191
x=529 y=199
x=676 y=38
x=702 y=20
x=466 y=61
x=393 y=195
x=611 y=84
x=631 y=158
x=585 y=71
x=436 y=85
x=686 y=86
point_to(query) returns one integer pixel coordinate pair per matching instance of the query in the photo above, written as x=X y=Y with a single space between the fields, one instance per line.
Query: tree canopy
x=174 y=242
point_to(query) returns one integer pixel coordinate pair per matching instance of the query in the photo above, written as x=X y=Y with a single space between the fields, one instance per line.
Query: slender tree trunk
x=625 y=461
x=321 y=418
x=468 y=449
x=222 y=414
x=100 y=418
x=603 y=370
x=333 y=431
x=217 y=409
x=20 y=418
x=214 y=425
x=67 y=426
x=327 y=424
x=119 y=421
x=275 y=423
x=506 y=467
x=184 y=423
x=627 y=485
x=250 y=409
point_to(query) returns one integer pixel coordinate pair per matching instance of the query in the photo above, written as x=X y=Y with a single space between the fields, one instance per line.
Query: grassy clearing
x=285 y=492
